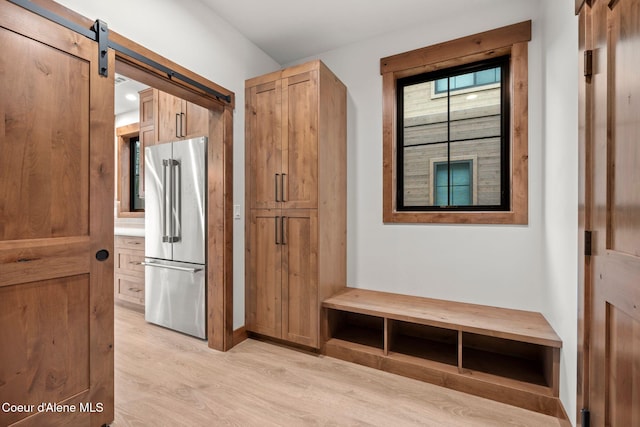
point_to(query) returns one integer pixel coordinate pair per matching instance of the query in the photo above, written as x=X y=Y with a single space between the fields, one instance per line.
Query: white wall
x=190 y=34
x=529 y=267
x=496 y=265
x=560 y=185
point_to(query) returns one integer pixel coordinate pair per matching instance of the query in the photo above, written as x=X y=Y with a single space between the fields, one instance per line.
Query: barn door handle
x=102 y=255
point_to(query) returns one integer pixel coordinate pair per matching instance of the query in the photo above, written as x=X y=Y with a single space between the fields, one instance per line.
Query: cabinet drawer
x=129 y=262
x=129 y=242
x=130 y=289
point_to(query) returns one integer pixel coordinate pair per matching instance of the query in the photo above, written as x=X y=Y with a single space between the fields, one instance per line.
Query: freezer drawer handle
x=172 y=267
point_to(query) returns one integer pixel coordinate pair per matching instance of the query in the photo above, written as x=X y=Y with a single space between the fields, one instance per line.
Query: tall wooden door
x=611 y=183
x=300 y=141
x=263 y=148
x=56 y=225
x=300 y=276
x=264 y=273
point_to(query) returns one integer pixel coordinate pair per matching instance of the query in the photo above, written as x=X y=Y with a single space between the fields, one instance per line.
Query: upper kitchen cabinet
x=294 y=128
x=165 y=118
x=179 y=119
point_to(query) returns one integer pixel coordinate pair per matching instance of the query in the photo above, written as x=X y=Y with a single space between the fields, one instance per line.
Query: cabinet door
x=264 y=145
x=147 y=133
x=264 y=272
x=195 y=120
x=169 y=117
x=300 y=140
x=300 y=277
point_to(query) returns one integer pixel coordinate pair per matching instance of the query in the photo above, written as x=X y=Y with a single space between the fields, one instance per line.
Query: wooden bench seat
x=511 y=356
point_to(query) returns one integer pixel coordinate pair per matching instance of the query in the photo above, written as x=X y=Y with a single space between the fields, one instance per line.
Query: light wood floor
x=163 y=378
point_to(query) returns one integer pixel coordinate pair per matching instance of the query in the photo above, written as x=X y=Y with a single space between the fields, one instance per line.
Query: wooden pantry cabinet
x=295 y=201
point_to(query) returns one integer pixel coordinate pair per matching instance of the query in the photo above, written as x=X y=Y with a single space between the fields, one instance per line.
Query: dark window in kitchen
x=136 y=202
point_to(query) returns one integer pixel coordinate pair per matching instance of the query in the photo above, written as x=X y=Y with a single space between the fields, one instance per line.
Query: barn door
x=612 y=174
x=56 y=225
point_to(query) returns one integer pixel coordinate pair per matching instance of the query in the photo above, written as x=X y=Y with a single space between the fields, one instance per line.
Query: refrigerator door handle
x=176 y=201
x=165 y=236
x=171 y=267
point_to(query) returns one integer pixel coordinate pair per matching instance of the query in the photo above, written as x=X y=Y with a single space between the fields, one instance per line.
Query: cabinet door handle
x=282 y=222
x=177 y=125
x=276 y=229
x=276 y=186
x=182 y=125
x=282 y=186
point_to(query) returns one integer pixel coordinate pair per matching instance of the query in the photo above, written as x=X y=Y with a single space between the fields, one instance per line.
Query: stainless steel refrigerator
x=175 y=235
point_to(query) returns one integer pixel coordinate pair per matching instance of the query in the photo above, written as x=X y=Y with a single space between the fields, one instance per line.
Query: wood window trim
x=124 y=134
x=510 y=40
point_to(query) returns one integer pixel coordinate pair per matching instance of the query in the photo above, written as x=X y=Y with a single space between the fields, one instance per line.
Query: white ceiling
x=288 y=30
x=125 y=87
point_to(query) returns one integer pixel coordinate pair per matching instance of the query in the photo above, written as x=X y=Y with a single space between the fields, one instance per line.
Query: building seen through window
x=453 y=145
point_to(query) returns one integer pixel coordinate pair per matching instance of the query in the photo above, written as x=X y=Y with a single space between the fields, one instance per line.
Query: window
x=136 y=203
x=468 y=118
x=469 y=80
x=453 y=184
x=455 y=130
x=129 y=160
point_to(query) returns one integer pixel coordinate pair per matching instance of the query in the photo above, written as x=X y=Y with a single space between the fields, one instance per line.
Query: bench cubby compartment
x=511 y=356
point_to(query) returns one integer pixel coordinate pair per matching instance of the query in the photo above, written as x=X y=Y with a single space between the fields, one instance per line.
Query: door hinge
x=586 y=417
x=588 y=236
x=588 y=63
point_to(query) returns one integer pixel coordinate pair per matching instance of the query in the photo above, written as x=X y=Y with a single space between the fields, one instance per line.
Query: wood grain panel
x=625 y=128
x=300 y=141
x=332 y=182
x=42 y=155
x=45 y=342
x=300 y=316
x=482 y=42
x=614 y=123
x=42 y=259
x=264 y=122
x=623 y=387
x=264 y=294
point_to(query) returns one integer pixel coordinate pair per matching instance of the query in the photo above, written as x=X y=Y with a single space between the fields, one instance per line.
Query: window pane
x=425 y=118
x=460 y=82
x=417 y=169
x=475 y=114
x=488 y=76
x=441 y=85
x=459 y=184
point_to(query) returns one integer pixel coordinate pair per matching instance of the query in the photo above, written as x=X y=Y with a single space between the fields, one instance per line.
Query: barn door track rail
x=99 y=32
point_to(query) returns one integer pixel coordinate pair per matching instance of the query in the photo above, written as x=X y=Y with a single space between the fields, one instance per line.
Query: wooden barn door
x=611 y=185
x=56 y=225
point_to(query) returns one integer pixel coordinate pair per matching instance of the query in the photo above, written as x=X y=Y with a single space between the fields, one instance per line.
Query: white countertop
x=129 y=230
x=128 y=226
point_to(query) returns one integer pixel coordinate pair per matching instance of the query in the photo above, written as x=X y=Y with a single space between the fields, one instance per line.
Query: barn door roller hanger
x=99 y=33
